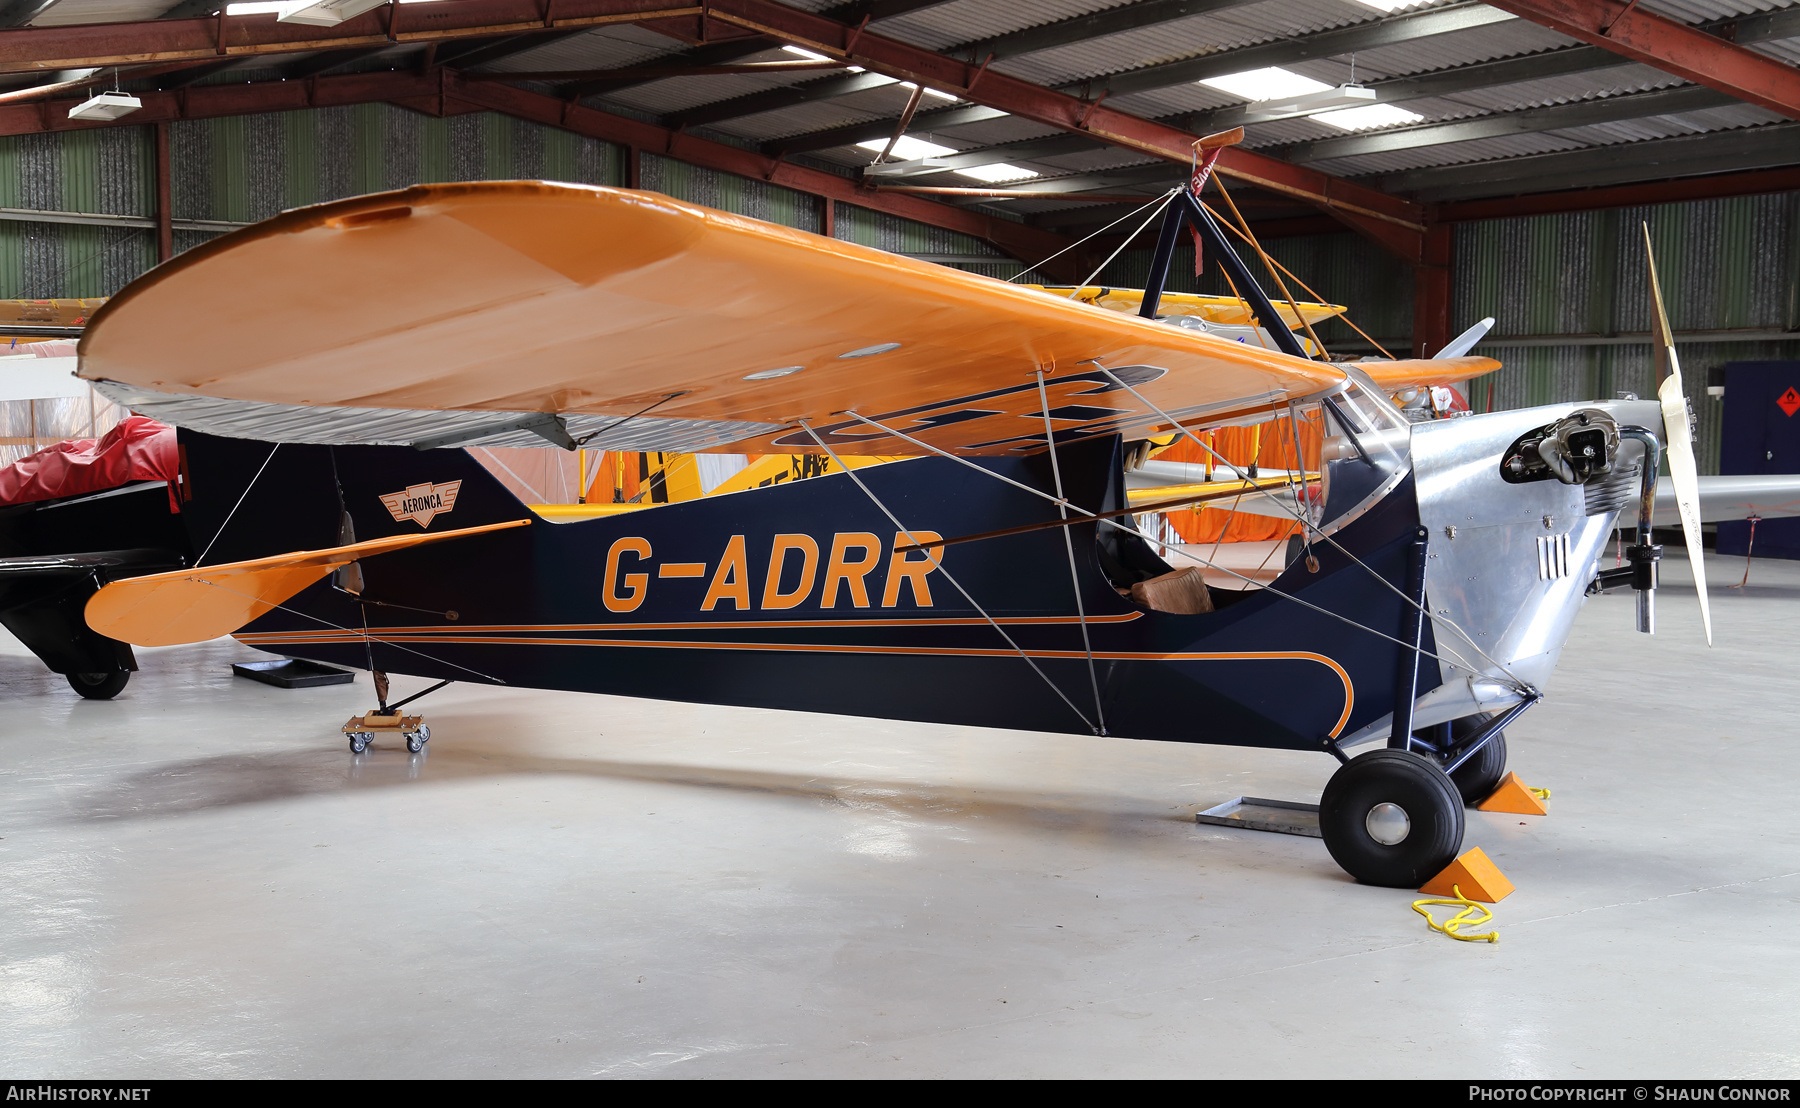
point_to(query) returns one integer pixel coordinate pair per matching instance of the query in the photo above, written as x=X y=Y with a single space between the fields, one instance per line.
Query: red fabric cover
x=138 y=449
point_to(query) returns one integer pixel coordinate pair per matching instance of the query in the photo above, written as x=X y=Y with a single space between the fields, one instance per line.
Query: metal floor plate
x=1285 y=817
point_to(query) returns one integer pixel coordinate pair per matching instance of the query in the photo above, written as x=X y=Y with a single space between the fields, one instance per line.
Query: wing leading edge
x=460 y=311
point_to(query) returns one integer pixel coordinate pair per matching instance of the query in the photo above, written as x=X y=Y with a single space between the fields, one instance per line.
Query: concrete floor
x=199 y=880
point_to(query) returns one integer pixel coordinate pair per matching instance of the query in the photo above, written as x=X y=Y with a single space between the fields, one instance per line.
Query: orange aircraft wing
x=193 y=605
x=450 y=314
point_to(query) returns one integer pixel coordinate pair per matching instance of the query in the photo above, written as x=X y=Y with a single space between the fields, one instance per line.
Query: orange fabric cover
x=138 y=449
x=1268 y=444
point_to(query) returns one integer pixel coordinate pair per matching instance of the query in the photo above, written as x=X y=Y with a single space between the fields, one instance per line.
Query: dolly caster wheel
x=99 y=686
x=1391 y=818
x=359 y=743
x=416 y=740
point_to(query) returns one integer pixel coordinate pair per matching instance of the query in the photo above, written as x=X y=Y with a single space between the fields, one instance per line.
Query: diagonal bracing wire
x=939 y=566
x=1069 y=544
x=1453 y=661
x=1128 y=241
x=235 y=507
x=1159 y=201
x=363 y=634
x=1310 y=526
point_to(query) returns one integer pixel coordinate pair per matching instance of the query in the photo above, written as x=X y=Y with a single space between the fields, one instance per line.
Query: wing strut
x=1069 y=542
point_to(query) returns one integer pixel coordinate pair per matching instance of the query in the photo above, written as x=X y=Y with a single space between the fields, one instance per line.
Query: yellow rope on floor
x=1454 y=925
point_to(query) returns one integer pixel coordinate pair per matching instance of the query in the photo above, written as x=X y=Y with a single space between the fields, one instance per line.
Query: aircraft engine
x=1573 y=450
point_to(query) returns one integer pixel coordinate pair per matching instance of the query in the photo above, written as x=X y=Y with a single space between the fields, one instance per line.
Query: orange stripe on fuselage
x=296 y=638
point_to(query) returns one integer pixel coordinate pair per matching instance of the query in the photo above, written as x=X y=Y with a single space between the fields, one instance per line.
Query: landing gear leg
x=1391 y=818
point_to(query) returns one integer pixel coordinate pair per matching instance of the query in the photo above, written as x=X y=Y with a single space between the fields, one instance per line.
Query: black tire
x=1421 y=791
x=1477 y=778
x=99 y=686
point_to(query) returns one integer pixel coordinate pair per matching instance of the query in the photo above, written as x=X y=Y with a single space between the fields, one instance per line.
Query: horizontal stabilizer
x=193 y=605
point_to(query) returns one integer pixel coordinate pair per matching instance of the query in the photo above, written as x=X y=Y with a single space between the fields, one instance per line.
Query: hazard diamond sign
x=1789 y=401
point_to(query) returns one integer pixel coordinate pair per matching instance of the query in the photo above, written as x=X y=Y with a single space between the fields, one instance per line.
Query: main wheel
x=1391 y=818
x=1477 y=778
x=100 y=686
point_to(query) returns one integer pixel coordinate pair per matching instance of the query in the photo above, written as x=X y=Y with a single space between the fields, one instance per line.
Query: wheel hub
x=1388 y=824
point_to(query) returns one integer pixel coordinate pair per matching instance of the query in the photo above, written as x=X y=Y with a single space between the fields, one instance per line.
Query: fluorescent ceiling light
x=1390 y=5
x=107 y=105
x=1362 y=119
x=908 y=148
x=998 y=172
x=325 y=13
x=1265 y=84
x=1344 y=96
x=912 y=167
x=811 y=56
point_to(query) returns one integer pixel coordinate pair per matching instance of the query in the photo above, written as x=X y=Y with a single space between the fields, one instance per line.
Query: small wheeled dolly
x=362 y=730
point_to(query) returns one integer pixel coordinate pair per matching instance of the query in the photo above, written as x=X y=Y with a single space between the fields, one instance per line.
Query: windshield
x=1365 y=449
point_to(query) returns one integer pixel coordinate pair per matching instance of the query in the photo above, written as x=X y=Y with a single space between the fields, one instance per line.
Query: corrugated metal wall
x=108 y=171
x=246 y=168
x=1731 y=264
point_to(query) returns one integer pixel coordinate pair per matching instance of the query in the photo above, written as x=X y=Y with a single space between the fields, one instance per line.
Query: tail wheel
x=99 y=686
x=1391 y=818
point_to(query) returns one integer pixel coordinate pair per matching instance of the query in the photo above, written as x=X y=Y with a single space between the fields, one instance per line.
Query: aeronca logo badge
x=421 y=503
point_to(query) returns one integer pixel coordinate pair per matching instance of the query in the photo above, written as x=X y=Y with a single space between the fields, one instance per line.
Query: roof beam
x=443 y=93
x=1028 y=244
x=473 y=53
x=1688 y=52
x=1063 y=32
x=1626 y=196
x=1395 y=223
x=1081 y=28
x=774 y=99
x=724 y=53
x=1619 y=163
x=1444 y=82
x=31 y=49
x=878 y=129
x=1325 y=44
x=1581 y=113
x=325 y=61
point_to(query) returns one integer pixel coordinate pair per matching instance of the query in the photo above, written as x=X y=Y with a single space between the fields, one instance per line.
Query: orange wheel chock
x=1512 y=796
x=1475 y=874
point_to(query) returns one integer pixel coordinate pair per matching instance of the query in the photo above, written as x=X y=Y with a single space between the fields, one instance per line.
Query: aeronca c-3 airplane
x=995 y=578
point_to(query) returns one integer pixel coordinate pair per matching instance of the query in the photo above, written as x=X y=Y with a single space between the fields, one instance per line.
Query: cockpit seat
x=1182 y=592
